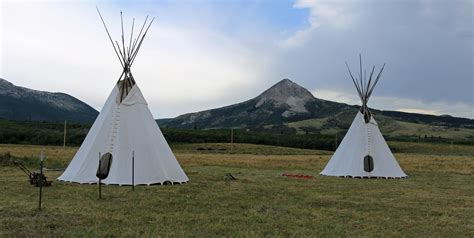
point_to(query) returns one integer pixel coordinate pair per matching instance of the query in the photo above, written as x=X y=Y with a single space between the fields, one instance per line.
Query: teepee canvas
x=363 y=153
x=126 y=129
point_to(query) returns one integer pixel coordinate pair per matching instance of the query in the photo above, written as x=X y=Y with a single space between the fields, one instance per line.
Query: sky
x=203 y=54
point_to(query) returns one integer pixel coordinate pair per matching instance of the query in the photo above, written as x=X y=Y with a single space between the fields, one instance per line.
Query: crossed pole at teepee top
x=365 y=87
x=127 y=54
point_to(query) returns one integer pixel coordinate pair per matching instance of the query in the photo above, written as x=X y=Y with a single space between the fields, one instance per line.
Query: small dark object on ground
x=229 y=176
x=200 y=148
x=222 y=149
x=5 y=159
x=37 y=179
x=298 y=176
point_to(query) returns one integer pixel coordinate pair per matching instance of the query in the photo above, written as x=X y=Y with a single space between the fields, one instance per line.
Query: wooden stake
x=133 y=170
x=41 y=182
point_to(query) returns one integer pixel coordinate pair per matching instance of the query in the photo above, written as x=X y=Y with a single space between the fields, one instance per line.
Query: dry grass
x=408 y=128
x=392 y=128
x=436 y=200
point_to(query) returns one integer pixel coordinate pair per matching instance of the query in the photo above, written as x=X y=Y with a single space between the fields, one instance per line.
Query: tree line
x=50 y=133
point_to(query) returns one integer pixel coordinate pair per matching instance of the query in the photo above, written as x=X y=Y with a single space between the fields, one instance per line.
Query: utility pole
x=64 y=140
x=231 y=138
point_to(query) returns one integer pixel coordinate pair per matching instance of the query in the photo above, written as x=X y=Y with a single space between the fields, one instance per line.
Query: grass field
x=435 y=201
x=390 y=128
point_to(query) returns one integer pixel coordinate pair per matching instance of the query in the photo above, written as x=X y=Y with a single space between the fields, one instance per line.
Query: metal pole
x=360 y=74
x=133 y=170
x=100 y=180
x=64 y=141
x=100 y=188
x=41 y=181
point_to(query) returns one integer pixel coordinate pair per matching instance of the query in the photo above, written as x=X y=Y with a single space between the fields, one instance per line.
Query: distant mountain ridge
x=24 y=104
x=287 y=107
x=285 y=101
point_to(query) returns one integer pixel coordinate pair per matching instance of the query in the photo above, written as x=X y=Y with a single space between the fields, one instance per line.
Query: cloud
x=419 y=110
x=205 y=54
x=334 y=14
x=398 y=104
x=427 y=46
x=195 y=70
x=180 y=68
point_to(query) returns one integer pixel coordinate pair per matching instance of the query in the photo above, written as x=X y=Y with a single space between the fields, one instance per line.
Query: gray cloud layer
x=427 y=46
x=207 y=54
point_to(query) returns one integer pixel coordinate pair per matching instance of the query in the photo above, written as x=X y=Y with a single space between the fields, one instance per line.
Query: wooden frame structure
x=127 y=54
x=365 y=87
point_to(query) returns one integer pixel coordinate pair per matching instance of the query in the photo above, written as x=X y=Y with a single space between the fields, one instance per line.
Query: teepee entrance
x=124 y=128
x=364 y=153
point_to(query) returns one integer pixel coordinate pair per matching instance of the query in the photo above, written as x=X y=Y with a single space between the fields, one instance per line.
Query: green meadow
x=436 y=200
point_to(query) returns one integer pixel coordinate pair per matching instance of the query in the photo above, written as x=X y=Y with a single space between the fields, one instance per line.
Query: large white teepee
x=124 y=126
x=363 y=153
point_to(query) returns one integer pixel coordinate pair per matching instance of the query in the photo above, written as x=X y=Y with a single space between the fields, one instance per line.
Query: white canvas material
x=120 y=128
x=360 y=140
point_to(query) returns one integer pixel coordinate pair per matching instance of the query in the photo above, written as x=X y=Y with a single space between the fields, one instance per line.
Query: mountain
x=286 y=101
x=287 y=107
x=23 y=104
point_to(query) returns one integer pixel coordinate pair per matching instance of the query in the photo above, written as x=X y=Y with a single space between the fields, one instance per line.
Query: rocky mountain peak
x=9 y=89
x=20 y=103
x=286 y=93
x=286 y=88
x=5 y=83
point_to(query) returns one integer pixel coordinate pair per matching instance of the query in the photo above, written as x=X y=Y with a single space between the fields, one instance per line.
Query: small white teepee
x=363 y=153
x=124 y=126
